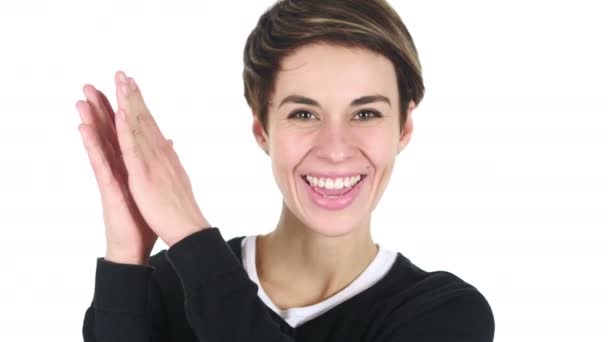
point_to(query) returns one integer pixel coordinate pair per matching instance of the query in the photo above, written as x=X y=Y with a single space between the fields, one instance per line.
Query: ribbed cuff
x=204 y=258
x=121 y=287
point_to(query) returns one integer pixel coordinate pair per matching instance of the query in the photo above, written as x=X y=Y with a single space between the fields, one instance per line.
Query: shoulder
x=462 y=311
x=438 y=303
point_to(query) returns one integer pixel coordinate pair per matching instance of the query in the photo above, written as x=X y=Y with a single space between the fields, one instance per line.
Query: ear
x=259 y=133
x=408 y=127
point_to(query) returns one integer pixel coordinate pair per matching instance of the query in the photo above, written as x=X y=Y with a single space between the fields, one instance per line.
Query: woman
x=332 y=86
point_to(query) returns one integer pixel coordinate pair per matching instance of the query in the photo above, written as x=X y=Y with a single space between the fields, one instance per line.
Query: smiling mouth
x=333 y=187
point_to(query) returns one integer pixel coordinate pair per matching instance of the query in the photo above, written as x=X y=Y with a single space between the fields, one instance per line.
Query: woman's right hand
x=129 y=239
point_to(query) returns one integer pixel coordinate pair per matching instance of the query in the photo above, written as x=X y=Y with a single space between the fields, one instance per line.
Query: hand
x=128 y=238
x=157 y=180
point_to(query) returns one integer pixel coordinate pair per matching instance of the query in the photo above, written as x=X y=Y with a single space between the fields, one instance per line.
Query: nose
x=334 y=142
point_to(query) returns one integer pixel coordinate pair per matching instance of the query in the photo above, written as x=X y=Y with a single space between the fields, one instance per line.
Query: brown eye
x=366 y=115
x=302 y=115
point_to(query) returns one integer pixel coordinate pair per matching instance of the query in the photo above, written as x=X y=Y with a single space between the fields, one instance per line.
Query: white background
x=504 y=182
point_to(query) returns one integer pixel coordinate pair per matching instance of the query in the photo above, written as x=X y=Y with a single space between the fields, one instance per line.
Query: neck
x=302 y=262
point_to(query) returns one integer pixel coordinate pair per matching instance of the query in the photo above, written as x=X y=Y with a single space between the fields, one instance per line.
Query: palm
x=128 y=235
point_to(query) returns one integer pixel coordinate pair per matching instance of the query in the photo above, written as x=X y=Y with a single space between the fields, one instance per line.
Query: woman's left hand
x=157 y=180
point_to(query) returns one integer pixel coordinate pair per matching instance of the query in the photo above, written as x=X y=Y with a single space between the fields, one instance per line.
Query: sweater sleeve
x=221 y=302
x=126 y=305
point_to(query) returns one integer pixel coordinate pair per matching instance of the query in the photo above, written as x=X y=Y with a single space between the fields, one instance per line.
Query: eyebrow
x=356 y=102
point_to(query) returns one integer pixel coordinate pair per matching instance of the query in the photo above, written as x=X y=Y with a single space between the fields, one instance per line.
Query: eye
x=301 y=115
x=366 y=115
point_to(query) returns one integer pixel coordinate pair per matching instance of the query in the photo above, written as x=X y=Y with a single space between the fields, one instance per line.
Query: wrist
x=127 y=258
x=187 y=232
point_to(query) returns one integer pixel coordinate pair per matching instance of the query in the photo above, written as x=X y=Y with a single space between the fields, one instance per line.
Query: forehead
x=328 y=72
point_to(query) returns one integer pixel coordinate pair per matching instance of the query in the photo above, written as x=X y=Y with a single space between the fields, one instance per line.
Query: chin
x=333 y=223
x=333 y=227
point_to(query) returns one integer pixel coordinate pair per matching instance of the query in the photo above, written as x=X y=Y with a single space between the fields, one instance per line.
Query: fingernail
x=122 y=77
x=84 y=88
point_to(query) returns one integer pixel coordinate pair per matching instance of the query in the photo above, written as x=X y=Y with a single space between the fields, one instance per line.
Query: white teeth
x=333 y=183
x=347 y=182
x=312 y=180
x=339 y=183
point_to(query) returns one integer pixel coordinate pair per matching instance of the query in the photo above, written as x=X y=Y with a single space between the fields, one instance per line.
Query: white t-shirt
x=295 y=316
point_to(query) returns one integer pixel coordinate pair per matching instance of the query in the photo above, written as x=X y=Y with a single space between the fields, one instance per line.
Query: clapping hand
x=145 y=191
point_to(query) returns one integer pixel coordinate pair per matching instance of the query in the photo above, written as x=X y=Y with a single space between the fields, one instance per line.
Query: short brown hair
x=289 y=24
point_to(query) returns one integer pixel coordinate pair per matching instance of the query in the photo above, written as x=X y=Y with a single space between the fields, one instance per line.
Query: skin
x=313 y=252
x=145 y=191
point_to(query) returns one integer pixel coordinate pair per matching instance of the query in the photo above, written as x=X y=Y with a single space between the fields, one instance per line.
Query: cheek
x=380 y=146
x=286 y=152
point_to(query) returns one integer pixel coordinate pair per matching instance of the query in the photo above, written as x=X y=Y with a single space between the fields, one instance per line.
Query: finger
x=130 y=141
x=170 y=142
x=99 y=162
x=108 y=107
x=90 y=118
x=99 y=108
x=130 y=99
x=102 y=110
x=86 y=116
x=132 y=135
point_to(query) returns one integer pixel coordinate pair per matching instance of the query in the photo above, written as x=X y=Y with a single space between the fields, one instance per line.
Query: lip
x=334 y=174
x=331 y=203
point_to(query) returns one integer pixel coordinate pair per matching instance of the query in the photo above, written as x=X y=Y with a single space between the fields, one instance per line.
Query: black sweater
x=198 y=290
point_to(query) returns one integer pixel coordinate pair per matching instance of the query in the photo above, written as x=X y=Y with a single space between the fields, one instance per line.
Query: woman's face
x=333 y=134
